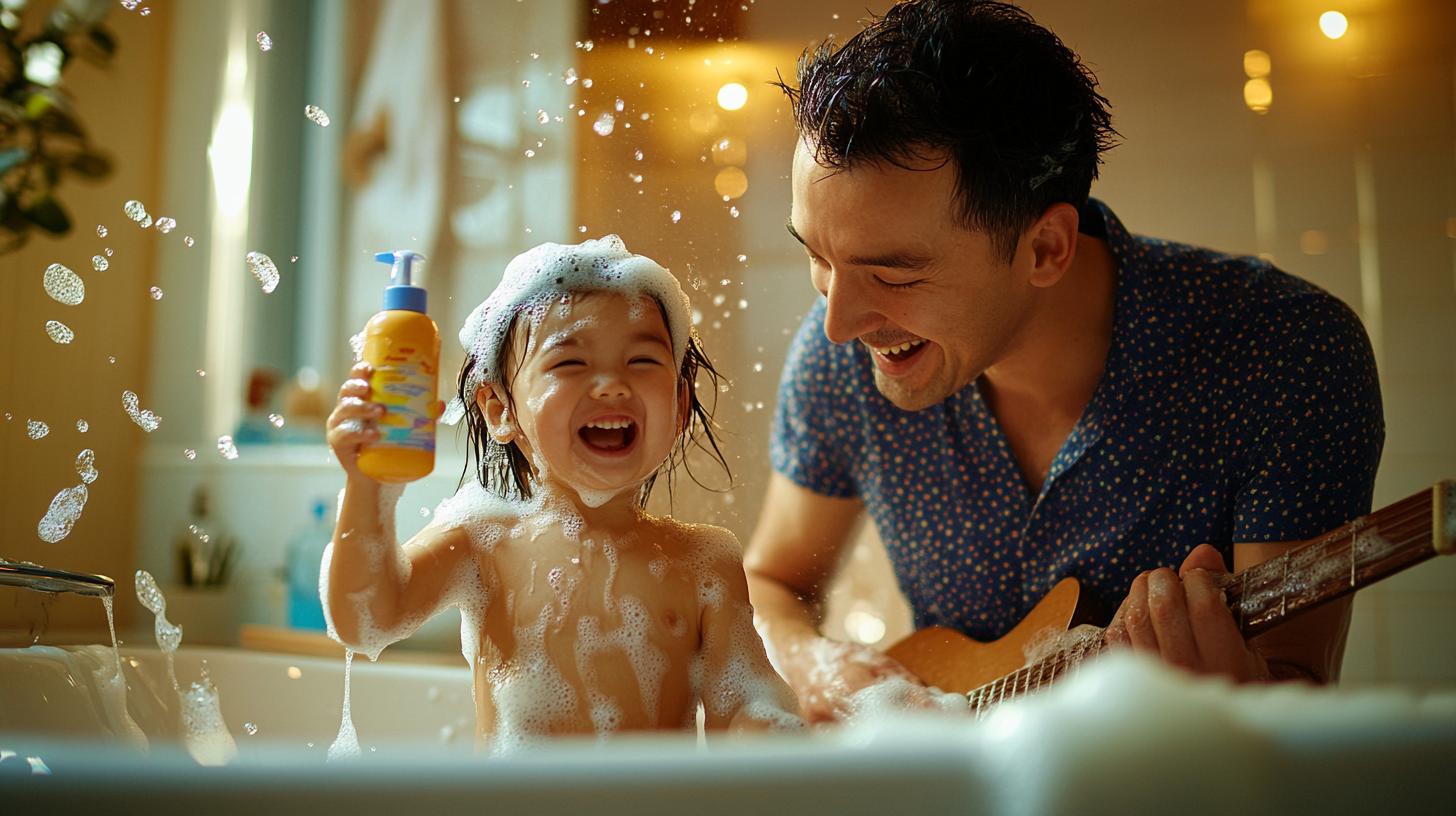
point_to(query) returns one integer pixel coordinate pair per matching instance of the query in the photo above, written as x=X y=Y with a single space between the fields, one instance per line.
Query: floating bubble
x=742 y=258
x=425 y=511
x=82 y=425
x=743 y=304
x=585 y=46
x=145 y=11
x=107 y=251
x=59 y=332
x=733 y=211
x=264 y=270
x=534 y=55
x=603 y=126
x=101 y=231
x=111 y=360
x=156 y=293
x=187 y=240
x=166 y=225
x=86 y=466
x=525 y=83
x=585 y=83
x=99 y=263
x=65 y=508
x=36 y=429
x=697 y=282
x=129 y=5
x=265 y=42
x=718 y=299
x=189 y=453
x=316 y=114
x=276 y=420
x=147 y=420
x=542 y=116
x=201 y=373
x=226 y=447
x=64 y=285
x=570 y=77
x=251 y=728
x=620 y=105
x=294 y=259
x=137 y=212
x=637 y=155
x=530 y=153
x=676 y=216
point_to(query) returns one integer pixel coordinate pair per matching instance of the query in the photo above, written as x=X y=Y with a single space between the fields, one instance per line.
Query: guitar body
x=952 y=662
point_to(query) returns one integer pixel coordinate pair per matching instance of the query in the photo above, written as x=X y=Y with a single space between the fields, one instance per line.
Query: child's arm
x=379 y=592
x=741 y=691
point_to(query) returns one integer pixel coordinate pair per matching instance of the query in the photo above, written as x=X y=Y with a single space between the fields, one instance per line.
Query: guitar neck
x=1266 y=595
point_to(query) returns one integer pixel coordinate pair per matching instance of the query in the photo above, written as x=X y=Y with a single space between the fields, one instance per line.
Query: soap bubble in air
x=147 y=420
x=61 y=516
x=36 y=429
x=82 y=425
x=137 y=212
x=156 y=293
x=107 y=251
x=264 y=270
x=99 y=263
x=543 y=117
x=64 y=285
x=189 y=453
x=187 y=240
x=101 y=231
x=251 y=728
x=316 y=114
x=276 y=420
x=59 y=332
x=265 y=42
x=603 y=126
x=166 y=225
x=676 y=216
x=570 y=77
x=86 y=466
x=620 y=105
x=226 y=447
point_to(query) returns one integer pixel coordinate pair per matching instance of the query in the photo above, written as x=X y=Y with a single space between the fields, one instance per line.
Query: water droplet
x=251 y=728
x=424 y=511
x=733 y=211
x=189 y=453
x=61 y=516
x=100 y=231
x=264 y=270
x=742 y=258
x=534 y=55
x=107 y=251
x=316 y=114
x=111 y=360
x=201 y=373
x=265 y=42
x=226 y=447
x=145 y=11
x=570 y=78
x=36 y=429
x=636 y=177
x=294 y=259
x=148 y=593
x=187 y=240
x=637 y=155
x=59 y=332
x=99 y=263
x=530 y=153
x=525 y=83
x=603 y=126
x=758 y=366
x=276 y=420
x=145 y=419
x=86 y=466
x=586 y=83
x=156 y=293
x=543 y=117
x=137 y=212
x=64 y=285
x=697 y=282
x=82 y=425
x=724 y=282
x=166 y=225
x=585 y=46
x=581 y=229
x=718 y=299
x=620 y=105
x=129 y=5
x=676 y=216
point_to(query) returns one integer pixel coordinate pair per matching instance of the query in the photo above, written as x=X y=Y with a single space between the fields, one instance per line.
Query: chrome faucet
x=40 y=579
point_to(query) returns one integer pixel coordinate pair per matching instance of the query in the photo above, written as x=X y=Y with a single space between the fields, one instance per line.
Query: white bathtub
x=1124 y=737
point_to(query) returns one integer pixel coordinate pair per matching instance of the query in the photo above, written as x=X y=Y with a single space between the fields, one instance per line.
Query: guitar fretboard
x=1265 y=595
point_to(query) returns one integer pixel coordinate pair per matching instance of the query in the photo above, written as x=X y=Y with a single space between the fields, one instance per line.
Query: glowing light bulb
x=732 y=96
x=1256 y=64
x=1258 y=95
x=1334 y=24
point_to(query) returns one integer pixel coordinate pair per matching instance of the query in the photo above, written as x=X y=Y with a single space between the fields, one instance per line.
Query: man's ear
x=497 y=414
x=1053 y=244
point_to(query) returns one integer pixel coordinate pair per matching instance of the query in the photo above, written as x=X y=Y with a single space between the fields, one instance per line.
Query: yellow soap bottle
x=403 y=345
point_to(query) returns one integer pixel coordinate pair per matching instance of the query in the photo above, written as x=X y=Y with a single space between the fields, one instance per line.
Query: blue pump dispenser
x=401 y=294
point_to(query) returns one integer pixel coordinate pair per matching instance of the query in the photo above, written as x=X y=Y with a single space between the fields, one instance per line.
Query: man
x=1017 y=390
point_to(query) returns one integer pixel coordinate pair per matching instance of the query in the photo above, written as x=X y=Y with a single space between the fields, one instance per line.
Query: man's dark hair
x=976 y=82
x=504 y=469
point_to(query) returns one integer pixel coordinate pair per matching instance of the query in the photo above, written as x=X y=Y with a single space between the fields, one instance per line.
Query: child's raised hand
x=351 y=425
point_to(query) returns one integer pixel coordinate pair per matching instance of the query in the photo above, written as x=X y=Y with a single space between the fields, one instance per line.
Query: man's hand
x=827 y=673
x=1184 y=620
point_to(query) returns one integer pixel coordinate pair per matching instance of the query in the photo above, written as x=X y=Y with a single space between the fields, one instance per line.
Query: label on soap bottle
x=405 y=385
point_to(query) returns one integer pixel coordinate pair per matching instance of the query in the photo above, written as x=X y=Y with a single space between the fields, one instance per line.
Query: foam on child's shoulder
x=539 y=276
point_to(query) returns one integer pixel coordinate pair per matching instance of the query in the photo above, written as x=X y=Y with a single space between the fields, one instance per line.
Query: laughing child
x=581 y=613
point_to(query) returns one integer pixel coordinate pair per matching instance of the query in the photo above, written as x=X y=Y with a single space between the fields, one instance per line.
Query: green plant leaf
x=49 y=215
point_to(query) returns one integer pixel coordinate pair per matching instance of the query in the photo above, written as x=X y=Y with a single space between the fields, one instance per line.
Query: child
x=581 y=614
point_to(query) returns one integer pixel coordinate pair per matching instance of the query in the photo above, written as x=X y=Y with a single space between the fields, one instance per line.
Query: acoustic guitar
x=1261 y=597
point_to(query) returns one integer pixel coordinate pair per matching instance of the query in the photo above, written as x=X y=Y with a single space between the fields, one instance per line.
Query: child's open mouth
x=609 y=435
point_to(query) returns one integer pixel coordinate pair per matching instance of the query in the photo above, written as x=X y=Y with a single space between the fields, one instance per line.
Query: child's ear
x=684 y=406
x=497 y=414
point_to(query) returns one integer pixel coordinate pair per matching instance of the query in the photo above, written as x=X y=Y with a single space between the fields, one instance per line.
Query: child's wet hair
x=505 y=470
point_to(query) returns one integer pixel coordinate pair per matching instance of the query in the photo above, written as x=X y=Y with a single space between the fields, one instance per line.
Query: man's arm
x=793 y=557
x=1184 y=620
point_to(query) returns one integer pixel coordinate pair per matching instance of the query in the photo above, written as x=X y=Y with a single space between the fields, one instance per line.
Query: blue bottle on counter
x=305 y=554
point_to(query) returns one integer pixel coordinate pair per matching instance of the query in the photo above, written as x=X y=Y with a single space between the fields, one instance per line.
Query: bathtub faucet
x=40 y=579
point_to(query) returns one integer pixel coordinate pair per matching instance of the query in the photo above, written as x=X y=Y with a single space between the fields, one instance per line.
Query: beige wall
x=120 y=106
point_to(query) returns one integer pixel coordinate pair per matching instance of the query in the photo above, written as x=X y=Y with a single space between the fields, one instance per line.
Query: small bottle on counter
x=305 y=553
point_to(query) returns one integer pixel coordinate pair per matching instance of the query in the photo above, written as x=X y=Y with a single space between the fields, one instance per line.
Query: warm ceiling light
x=1258 y=95
x=732 y=96
x=1333 y=24
x=1256 y=64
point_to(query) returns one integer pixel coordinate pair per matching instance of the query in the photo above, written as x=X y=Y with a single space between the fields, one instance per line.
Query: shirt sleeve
x=1319 y=425
x=803 y=445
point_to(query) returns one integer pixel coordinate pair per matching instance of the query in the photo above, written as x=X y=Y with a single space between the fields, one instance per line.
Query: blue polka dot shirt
x=1238 y=404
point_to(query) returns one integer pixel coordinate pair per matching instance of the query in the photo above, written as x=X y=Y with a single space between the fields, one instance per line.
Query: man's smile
x=896 y=359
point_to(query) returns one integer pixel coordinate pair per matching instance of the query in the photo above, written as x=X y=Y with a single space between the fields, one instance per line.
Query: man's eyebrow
x=889 y=260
